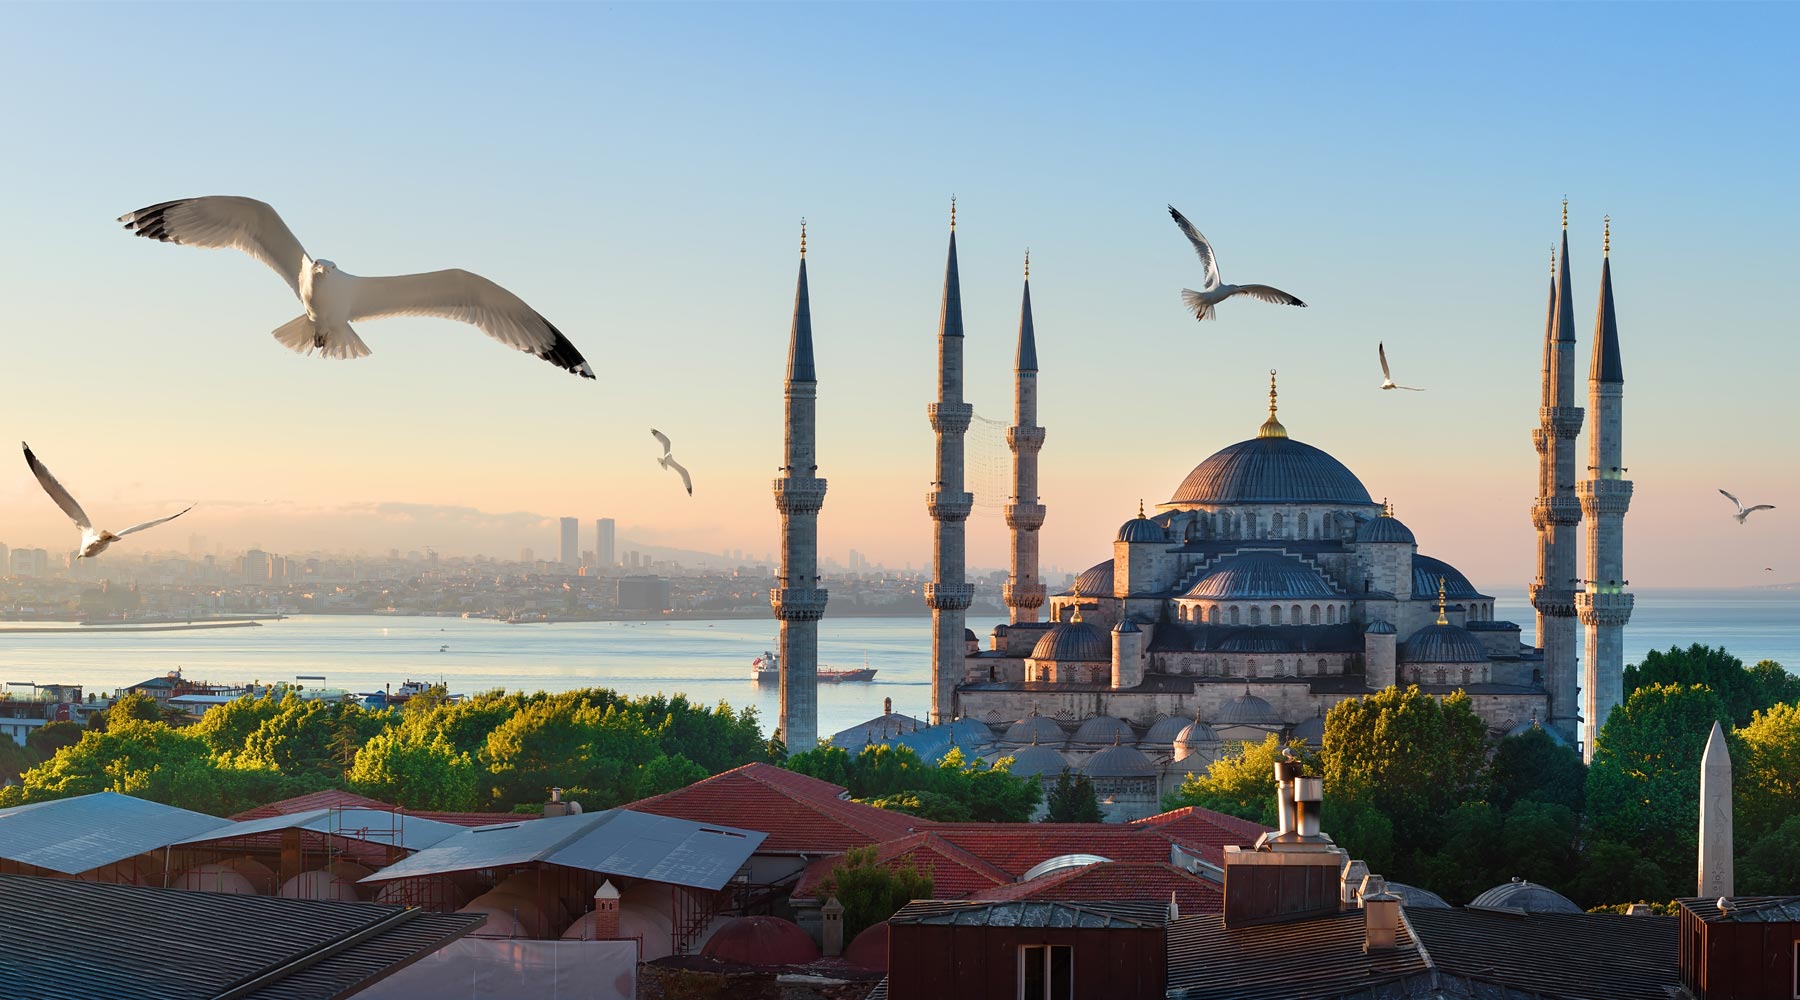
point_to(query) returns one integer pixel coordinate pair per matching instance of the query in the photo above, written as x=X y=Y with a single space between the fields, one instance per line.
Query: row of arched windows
x=1258 y=614
x=1280 y=666
x=1278 y=524
x=1444 y=675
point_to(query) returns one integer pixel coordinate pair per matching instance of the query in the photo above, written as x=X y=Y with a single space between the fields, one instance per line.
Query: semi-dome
x=1037 y=760
x=1247 y=710
x=1385 y=528
x=1035 y=728
x=1442 y=644
x=1119 y=761
x=1097 y=580
x=1271 y=470
x=1103 y=729
x=1073 y=641
x=1251 y=576
x=1426 y=573
x=1165 y=729
x=1528 y=897
x=1532 y=724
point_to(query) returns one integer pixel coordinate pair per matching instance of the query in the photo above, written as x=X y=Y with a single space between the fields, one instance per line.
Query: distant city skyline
x=1400 y=167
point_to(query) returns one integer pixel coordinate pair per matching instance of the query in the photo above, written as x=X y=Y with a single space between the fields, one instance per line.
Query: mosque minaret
x=949 y=593
x=1603 y=602
x=1024 y=593
x=798 y=600
x=1557 y=512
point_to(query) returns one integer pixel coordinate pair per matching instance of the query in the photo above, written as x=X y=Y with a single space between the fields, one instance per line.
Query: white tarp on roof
x=83 y=833
x=487 y=969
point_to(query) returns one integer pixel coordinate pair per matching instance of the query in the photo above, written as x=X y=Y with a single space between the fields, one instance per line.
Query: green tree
x=567 y=741
x=1771 y=866
x=953 y=790
x=1643 y=786
x=1409 y=754
x=665 y=773
x=1467 y=859
x=403 y=767
x=50 y=737
x=15 y=760
x=1765 y=771
x=226 y=728
x=1541 y=843
x=1360 y=828
x=934 y=806
x=1240 y=783
x=993 y=793
x=137 y=706
x=871 y=891
x=1612 y=872
x=1533 y=766
x=1072 y=800
x=1742 y=690
x=152 y=761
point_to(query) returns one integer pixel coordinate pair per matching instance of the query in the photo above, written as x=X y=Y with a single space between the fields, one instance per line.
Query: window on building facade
x=1468 y=675
x=1046 y=972
x=1275 y=615
x=1234 y=614
x=1212 y=615
x=1321 y=666
x=1256 y=614
x=1440 y=675
x=1331 y=614
x=1275 y=523
x=1315 y=614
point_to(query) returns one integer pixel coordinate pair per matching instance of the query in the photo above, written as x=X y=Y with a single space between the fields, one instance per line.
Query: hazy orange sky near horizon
x=1414 y=202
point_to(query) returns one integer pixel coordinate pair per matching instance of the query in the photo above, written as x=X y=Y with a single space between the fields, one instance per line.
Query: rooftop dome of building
x=1035 y=728
x=1097 y=579
x=1386 y=528
x=1311 y=731
x=1262 y=575
x=1104 y=729
x=1073 y=641
x=761 y=940
x=1165 y=729
x=870 y=948
x=1442 y=644
x=1528 y=897
x=1142 y=529
x=1415 y=898
x=1532 y=724
x=1379 y=627
x=1119 y=761
x=1037 y=760
x=1271 y=470
x=1194 y=734
x=1062 y=862
x=1428 y=571
x=965 y=732
x=1247 y=710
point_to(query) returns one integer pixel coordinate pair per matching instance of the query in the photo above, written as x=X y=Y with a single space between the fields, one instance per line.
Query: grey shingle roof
x=1427 y=571
x=77 y=834
x=1319 y=958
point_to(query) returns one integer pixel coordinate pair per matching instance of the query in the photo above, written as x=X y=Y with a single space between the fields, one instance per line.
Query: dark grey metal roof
x=1036 y=728
x=72 y=940
x=1299 y=960
x=877 y=730
x=1569 y=956
x=85 y=832
x=1747 y=909
x=373 y=825
x=1075 y=641
x=1427 y=571
x=1413 y=897
x=1104 y=729
x=1384 y=529
x=800 y=346
x=1606 y=366
x=1096 y=581
x=1026 y=359
x=1034 y=913
x=1142 y=529
x=613 y=842
x=1524 y=897
x=1247 y=710
x=1119 y=761
x=1033 y=760
x=1442 y=644
x=1262 y=575
x=1271 y=470
x=1379 y=627
x=1167 y=728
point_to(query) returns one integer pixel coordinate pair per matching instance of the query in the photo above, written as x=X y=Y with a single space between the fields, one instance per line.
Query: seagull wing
x=1269 y=293
x=225 y=221
x=56 y=491
x=1382 y=348
x=1734 y=500
x=1201 y=247
x=466 y=298
x=134 y=529
x=686 y=480
x=662 y=438
x=1760 y=506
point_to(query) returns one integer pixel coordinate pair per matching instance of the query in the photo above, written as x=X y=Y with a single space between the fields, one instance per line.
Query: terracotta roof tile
x=1203 y=831
x=955 y=873
x=800 y=814
x=1121 y=881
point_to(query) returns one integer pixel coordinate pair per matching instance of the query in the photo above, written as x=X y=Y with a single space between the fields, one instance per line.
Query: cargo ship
x=767 y=668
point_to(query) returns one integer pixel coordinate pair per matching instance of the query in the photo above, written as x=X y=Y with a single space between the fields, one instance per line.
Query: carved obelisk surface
x=1715 y=817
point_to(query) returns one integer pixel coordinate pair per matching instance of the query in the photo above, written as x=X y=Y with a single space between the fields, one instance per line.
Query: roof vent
x=1381 y=922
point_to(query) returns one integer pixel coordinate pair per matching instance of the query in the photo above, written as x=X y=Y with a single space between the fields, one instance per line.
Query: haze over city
x=638 y=174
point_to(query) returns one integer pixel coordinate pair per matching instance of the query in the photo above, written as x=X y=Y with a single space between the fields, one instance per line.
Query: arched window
x=1250 y=667
x=1234 y=614
x=1468 y=675
x=1321 y=666
x=1212 y=615
x=1331 y=614
x=1275 y=614
x=1256 y=614
x=1315 y=614
x=1440 y=675
x=1304 y=523
x=1275 y=523
x=1294 y=615
x=1537 y=677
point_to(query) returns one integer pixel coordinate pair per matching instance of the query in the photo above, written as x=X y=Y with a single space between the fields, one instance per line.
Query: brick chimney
x=606 y=912
x=833 y=931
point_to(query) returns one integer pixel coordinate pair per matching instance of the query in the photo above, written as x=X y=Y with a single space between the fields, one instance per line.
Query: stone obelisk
x=1715 y=818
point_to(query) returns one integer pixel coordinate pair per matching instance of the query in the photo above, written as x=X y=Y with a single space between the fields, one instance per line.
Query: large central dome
x=1271 y=470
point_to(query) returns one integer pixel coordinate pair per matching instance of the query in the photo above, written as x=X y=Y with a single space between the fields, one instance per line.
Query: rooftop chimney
x=606 y=912
x=1381 y=921
x=1285 y=773
x=556 y=806
x=1293 y=873
x=1309 y=794
x=1350 y=883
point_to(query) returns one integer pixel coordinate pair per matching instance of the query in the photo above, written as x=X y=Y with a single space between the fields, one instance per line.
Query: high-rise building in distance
x=604 y=543
x=571 y=543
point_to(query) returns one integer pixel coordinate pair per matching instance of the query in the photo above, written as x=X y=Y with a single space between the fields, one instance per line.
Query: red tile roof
x=1203 y=831
x=800 y=814
x=333 y=798
x=1016 y=847
x=955 y=873
x=1118 y=881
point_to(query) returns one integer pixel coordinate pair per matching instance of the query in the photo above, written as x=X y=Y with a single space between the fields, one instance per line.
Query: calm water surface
x=708 y=661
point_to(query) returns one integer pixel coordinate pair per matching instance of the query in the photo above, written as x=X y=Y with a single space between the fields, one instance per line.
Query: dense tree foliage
x=409 y=769
x=1534 y=767
x=953 y=790
x=1743 y=691
x=1409 y=754
x=1643 y=788
x=1240 y=783
x=870 y=891
x=1765 y=771
x=1072 y=800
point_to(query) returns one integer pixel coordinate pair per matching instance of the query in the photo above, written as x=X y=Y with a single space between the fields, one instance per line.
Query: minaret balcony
x=1025 y=439
x=1561 y=509
x=1025 y=516
x=798 y=604
x=947 y=506
x=799 y=494
x=1604 y=496
x=1565 y=420
x=1540 y=439
x=1556 y=603
x=1604 y=605
x=949 y=596
x=950 y=418
x=1024 y=595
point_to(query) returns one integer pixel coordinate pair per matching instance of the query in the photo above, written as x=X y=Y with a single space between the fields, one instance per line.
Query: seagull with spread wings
x=334 y=299
x=1212 y=293
x=1743 y=511
x=1387 y=377
x=92 y=542
x=667 y=461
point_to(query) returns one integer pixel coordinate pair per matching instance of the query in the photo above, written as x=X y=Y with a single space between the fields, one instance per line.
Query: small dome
x=1166 y=729
x=1271 y=470
x=1248 y=710
x=1385 y=529
x=967 y=732
x=1379 y=627
x=1119 y=762
x=1126 y=626
x=1142 y=529
x=1532 y=723
x=1528 y=897
x=1311 y=731
x=1195 y=734
x=1414 y=898
x=1062 y=862
x=870 y=948
x=1442 y=644
x=1104 y=729
x=1035 y=728
x=761 y=940
x=1426 y=573
x=1073 y=641
x=1037 y=760
x=1262 y=575
x=1097 y=580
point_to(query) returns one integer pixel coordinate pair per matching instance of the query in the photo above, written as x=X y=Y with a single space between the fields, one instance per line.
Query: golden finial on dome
x=1606 y=242
x=953 y=215
x=1075 y=592
x=1272 y=428
x=1441 y=619
x=1552 y=260
x=1027 y=263
x=803 y=237
x=1140 y=508
x=1565 y=211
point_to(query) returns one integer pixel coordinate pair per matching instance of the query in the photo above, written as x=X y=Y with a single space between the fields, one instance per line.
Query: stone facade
x=798 y=600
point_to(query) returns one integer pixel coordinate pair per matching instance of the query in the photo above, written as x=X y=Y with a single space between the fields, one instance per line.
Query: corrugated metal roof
x=85 y=832
x=1300 y=960
x=1556 y=954
x=1034 y=913
x=70 y=940
x=373 y=825
x=1747 y=909
x=613 y=842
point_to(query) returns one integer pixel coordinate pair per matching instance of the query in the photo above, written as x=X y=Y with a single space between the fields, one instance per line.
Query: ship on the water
x=767 y=668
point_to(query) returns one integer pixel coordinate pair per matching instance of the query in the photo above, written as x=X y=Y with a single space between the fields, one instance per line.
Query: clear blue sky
x=637 y=172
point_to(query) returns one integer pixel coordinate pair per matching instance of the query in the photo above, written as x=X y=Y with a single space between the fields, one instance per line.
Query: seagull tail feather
x=302 y=336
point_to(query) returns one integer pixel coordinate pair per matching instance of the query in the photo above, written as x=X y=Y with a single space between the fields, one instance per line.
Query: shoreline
x=83 y=629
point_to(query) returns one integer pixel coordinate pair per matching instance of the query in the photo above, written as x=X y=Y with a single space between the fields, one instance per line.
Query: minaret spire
x=1604 y=605
x=798 y=600
x=949 y=593
x=1023 y=594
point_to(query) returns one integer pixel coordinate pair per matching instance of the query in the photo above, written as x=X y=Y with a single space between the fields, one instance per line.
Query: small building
x=1741 y=947
x=1032 y=949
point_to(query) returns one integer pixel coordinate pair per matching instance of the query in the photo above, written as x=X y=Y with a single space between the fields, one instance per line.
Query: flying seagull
x=92 y=542
x=1743 y=511
x=1387 y=378
x=334 y=298
x=1201 y=303
x=667 y=461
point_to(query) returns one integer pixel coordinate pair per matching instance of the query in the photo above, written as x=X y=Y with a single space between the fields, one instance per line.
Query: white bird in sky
x=92 y=542
x=1212 y=293
x=1743 y=511
x=667 y=461
x=1387 y=378
x=334 y=298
